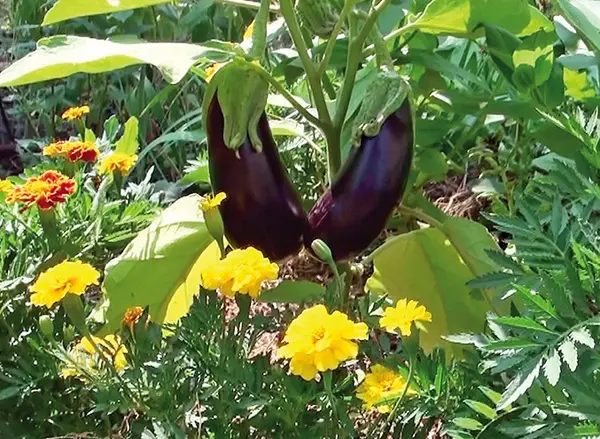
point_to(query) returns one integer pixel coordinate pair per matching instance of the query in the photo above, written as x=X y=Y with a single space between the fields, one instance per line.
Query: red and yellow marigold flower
x=403 y=315
x=68 y=277
x=86 y=357
x=73 y=151
x=47 y=190
x=132 y=316
x=242 y=272
x=317 y=341
x=6 y=186
x=381 y=383
x=117 y=162
x=74 y=113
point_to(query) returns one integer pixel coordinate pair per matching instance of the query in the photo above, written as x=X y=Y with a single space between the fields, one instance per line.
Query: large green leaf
x=433 y=267
x=161 y=267
x=61 y=56
x=462 y=17
x=585 y=16
x=67 y=9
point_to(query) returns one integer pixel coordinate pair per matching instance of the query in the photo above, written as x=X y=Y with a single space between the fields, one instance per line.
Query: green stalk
x=370 y=50
x=50 y=227
x=246 y=4
x=287 y=10
x=348 y=5
x=259 y=35
x=382 y=54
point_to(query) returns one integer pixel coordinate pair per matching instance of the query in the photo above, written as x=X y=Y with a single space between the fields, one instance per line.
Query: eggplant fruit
x=354 y=211
x=262 y=208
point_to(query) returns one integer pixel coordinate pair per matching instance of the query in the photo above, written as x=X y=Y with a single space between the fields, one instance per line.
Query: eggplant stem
x=314 y=80
x=370 y=50
x=348 y=5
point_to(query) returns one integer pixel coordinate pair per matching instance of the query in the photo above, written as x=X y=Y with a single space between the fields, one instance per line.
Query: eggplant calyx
x=383 y=97
x=242 y=95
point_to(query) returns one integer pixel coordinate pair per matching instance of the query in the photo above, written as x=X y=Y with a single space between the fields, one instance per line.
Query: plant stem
x=348 y=5
x=246 y=4
x=419 y=214
x=314 y=81
x=395 y=34
x=355 y=55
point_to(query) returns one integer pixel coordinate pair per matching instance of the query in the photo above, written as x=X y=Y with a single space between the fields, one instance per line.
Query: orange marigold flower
x=46 y=191
x=132 y=316
x=74 y=151
x=6 y=186
x=75 y=112
x=117 y=161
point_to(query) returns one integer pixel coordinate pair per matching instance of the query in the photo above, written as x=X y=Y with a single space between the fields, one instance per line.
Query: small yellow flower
x=132 y=316
x=403 y=315
x=68 y=277
x=381 y=383
x=212 y=70
x=117 y=161
x=242 y=271
x=212 y=202
x=317 y=341
x=249 y=31
x=86 y=357
x=75 y=112
x=6 y=186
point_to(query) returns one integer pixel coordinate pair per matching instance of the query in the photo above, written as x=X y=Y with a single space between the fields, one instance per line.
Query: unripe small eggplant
x=262 y=209
x=354 y=211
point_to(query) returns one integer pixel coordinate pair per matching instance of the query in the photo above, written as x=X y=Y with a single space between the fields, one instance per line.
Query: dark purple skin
x=262 y=208
x=350 y=215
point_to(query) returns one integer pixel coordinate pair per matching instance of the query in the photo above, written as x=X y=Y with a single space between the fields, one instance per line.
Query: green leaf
x=482 y=409
x=533 y=60
x=568 y=351
x=446 y=17
x=161 y=267
x=468 y=423
x=521 y=383
x=9 y=392
x=578 y=85
x=293 y=292
x=67 y=9
x=584 y=15
x=61 y=56
x=433 y=267
x=286 y=127
x=128 y=143
x=511 y=344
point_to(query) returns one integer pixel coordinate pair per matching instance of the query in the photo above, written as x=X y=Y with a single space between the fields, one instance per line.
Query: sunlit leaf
x=67 y=9
x=128 y=143
x=161 y=267
x=585 y=16
x=433 y=267
x=61 y=56
x=578 y=85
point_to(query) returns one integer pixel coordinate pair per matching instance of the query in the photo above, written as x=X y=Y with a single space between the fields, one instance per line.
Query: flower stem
x=50 y=227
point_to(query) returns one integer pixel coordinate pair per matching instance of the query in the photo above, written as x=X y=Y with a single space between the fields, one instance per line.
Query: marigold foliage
x=317 y=341
x=76 y=112
x=6 y=186
x=47 y=190
x=403 y=315
x=86 y=357
x=117 y=162
x=242 y=271
x=68 y=277
x=381 y=383
x=212 y=202
x=73 y=151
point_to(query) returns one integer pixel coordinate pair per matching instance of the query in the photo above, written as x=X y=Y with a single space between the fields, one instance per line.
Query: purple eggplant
x=262 y=208
x=354 y=211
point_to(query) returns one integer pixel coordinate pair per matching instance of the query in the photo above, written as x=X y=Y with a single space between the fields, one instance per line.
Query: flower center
x=318 y=334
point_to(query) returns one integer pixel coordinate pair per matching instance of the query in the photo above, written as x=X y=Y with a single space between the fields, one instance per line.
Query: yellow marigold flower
x=46 y=191
x=242 y=271
x=6 y=186
x=212 y=202
x=73 y=151
x=75 y=112
x=317 y=341
x=403 y=315
x=210 y=71
x=381 y=383
x=68 y=277
x=86 y=357
x=117 y=161
x=249 y=31
x=132 y=316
